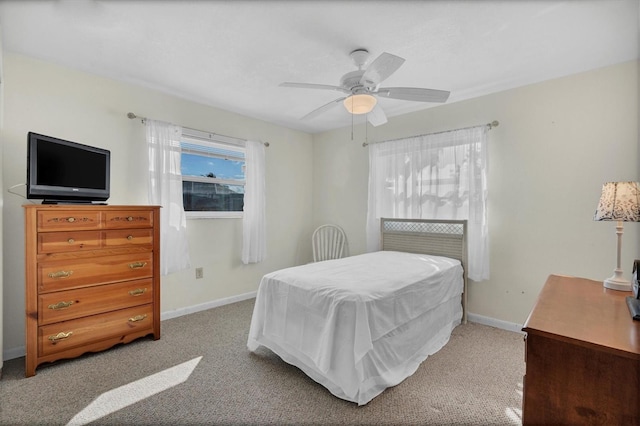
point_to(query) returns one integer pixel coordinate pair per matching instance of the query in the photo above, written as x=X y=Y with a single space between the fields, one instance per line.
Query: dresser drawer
x=70 y=304
x=65 y=335
x=56 y=276
x=127 y=237
x=129 y=219
x=70 y=241
x=59 y=220
x=58 y=242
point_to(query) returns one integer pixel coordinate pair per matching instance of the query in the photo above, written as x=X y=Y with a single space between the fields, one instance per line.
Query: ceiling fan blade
x=414 y=94
x=314 y=86
x=380 y=69
x=376 y=116
x=326 y=107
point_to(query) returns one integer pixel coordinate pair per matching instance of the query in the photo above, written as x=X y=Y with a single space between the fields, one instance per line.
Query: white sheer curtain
x=165 y=189
x=438 y=176
x=254 y=245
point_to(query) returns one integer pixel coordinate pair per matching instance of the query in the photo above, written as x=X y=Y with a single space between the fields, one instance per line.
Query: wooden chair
x=329 y=242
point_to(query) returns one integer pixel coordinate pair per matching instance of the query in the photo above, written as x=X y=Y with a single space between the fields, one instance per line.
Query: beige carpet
x=200 y=372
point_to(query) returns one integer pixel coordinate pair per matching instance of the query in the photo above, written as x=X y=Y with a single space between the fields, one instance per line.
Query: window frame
x=216 y=141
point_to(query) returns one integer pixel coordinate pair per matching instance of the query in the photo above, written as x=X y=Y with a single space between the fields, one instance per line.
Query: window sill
x=214 y=215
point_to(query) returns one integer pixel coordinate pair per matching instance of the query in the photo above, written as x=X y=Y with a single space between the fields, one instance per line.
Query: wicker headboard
x=436 y=237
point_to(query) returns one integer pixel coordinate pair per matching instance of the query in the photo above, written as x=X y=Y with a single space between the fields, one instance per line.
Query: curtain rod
x=494 y=123
x=132 y=116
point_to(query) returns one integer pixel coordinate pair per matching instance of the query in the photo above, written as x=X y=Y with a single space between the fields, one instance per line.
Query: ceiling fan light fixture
x=360 y=104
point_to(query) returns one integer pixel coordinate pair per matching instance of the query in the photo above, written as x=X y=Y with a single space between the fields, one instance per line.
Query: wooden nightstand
x=582 y=355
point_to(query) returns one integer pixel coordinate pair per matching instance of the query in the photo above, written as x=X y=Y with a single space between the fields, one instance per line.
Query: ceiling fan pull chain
x=366 y=129
x=352 y=119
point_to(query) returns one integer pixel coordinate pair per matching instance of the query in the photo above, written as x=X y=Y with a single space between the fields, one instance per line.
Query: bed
x=361 y=324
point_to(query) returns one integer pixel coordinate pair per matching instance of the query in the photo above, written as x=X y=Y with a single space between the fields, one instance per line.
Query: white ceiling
x=234 y=54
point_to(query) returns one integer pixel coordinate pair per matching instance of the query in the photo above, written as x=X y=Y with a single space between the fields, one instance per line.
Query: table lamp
x=620 y=201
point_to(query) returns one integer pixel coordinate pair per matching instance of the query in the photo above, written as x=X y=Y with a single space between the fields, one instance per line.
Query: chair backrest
x=329 y=242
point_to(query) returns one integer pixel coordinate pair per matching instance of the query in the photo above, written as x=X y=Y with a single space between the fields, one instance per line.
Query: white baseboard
x=21 y=350
x=208 y=305
x=12 y=353
x=496 y=323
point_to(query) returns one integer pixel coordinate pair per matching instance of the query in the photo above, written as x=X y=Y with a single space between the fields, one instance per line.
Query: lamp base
x=616 y=283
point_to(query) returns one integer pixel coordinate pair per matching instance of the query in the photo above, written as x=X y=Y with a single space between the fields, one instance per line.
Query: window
x=438 y=176
x=213 y=178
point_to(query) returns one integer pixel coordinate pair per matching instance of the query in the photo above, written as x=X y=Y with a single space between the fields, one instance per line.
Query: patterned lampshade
x=619 y=201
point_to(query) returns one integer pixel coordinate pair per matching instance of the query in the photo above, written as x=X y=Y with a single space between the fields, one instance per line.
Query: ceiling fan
x=362 y=87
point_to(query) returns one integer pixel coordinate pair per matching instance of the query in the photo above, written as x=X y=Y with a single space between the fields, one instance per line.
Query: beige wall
x=557 y=142
x=55 y=101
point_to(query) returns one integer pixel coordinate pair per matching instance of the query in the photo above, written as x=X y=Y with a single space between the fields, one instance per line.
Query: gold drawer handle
x=129 y=237
x=60 y=336
x=60 y=274
x=137 y=318
x=71 y=219
x=71 y=241
x=137 y=265
x=138 y=291
x=60 y=305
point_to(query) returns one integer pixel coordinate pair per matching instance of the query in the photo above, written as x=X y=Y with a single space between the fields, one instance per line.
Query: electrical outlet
x=199 y=273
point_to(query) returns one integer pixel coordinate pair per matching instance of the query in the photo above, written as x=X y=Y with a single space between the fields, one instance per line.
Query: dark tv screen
x=59 y=170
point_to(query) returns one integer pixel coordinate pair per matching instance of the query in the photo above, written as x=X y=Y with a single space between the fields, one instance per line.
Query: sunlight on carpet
x=515 y=413
x=123 y=396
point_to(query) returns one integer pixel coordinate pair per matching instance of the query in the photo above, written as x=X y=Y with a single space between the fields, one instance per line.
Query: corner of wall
x=1 y=202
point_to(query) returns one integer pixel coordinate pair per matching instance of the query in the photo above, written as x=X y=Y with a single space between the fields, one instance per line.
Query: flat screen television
x=60 y=171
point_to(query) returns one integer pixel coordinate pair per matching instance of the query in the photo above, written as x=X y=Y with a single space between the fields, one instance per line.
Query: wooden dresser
x=582 y=356
x=92 y=278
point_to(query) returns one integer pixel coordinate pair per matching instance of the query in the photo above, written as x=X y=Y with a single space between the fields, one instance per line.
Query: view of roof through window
x=210 y=161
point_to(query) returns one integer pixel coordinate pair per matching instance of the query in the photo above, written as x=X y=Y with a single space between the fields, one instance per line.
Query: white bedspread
x=360 y=324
